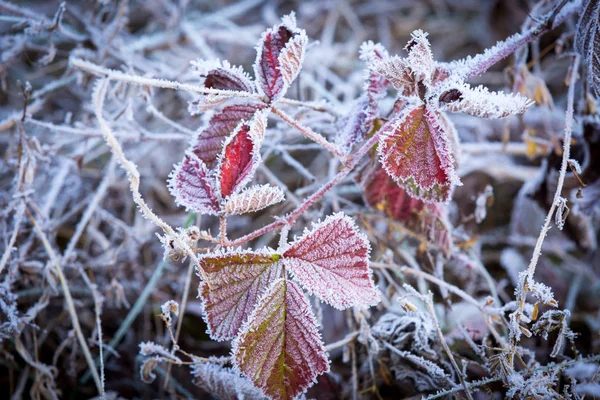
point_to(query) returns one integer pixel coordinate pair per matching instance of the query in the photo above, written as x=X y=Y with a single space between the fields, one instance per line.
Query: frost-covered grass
x=379 y=199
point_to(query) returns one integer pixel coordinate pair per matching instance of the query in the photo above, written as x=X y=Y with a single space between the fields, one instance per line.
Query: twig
x=69 y=301
x=309 y=133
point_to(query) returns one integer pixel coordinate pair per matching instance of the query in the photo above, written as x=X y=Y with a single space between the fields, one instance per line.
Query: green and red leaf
x=234 y=282
x=280 y=348
x=414 y=148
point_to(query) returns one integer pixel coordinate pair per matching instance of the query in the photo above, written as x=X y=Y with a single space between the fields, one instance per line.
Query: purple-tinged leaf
x=280 y=348
x=223 y=76
x=396 y=70
x=209 y=142
x=252 y=199
x=587 y=41
x=241 y=155
x=414 y=149
x=234 y=282
x=192 y=186
x=354 y=126
x=279 y=57
x=332 y=262
x=480 y=102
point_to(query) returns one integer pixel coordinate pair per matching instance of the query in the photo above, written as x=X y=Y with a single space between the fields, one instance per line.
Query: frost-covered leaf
x=480 y=102
x=223 y=382
x=209 y=142
x=355 y=126
x=414 y=149
x=396 y=70
x=192 y=186
x=419 y=57
x=223 y=76
x=587 y=41
x=252 y=199
x=375 y=84
x=234 y=281
x=280 y=349
x=332 y=262
x=279 y=57
x=241 y=155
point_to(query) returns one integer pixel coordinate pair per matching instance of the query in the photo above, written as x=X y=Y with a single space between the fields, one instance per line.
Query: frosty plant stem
x=537 y=251
x=309 y=201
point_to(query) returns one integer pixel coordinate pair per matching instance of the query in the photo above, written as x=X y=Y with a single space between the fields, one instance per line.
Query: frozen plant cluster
x=342 y=200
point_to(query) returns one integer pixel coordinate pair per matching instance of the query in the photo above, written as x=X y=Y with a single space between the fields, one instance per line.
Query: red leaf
x=280 y=349
x=241 y=155
x=332 y=262
x=209 y=142
x=428 y=219
x=191 y=185
x=223 y=76
x=414 y=150
x=279 y=57
x=234 y=282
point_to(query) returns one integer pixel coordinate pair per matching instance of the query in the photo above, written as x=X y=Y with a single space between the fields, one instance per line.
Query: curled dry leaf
x=234 y=281
x=279 y=57
x=280 y=348
x=332 y=262
x=252 y=199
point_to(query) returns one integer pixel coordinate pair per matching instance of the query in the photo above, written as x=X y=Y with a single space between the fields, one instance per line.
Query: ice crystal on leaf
x=279 y=56
x=209 y=142
x=482 y=103
x=252 y=199
x=414 y=150
x=192 y=186
x=241 y=155
x=332 y=262
x=234 y=281
x=280 y=349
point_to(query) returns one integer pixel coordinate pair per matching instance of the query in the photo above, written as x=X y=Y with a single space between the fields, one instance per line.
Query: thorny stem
x=309 y=133
x=161 y=83
x=309 y=201
x=69 y=300
x=483 y=62
x=537 y=251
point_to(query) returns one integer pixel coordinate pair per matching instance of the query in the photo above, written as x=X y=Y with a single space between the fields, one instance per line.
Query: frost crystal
x=223 y=382
x=280 y=349
x=332 y=262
